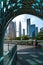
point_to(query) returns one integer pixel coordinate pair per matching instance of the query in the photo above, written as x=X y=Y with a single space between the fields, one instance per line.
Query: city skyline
x=23 y=18
x=23 y=22
x=34 y=20
x=32 y=30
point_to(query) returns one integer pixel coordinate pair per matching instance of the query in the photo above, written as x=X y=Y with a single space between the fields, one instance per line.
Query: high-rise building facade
x=28 y=25
x=32 y=31
x=36 y=31
x=12 y=30
x=19 y=29
x=23 y=32
x=15 y=28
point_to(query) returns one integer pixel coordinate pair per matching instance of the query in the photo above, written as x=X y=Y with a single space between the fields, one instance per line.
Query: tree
x=18 y=38
x=40 y=35
x=25 y=37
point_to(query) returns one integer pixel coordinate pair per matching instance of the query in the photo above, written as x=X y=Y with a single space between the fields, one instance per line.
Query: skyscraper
x=12 y=30
x=28 y=25
x=15 y=29
x=32 y=31
x=36 y=31
x=23 y=32
x=19 y=29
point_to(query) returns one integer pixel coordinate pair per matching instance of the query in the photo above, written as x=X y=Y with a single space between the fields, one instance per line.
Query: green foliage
x=11 y=39
x=25 y=37
x=40 y=35
x=17 y=38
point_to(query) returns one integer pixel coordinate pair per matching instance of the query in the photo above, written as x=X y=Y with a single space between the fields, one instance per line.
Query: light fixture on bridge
x=33 y=7
x=18 y=1
x=38 y=1
x=38 y=10
x=19 y=5
x=9 y=6
x=13 y=4
x=42 y=4
x=36 y=4
x=4 y=9
x=15 y=10
x=2 y=4
x=7 y=2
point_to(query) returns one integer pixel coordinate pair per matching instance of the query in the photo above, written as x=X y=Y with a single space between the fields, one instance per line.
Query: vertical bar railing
x=10 y=57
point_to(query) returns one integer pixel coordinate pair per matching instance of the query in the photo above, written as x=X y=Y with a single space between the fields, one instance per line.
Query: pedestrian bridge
x=21 y=55
x=12 y=8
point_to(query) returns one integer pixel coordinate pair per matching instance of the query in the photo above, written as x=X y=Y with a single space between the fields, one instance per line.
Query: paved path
x=29 y=55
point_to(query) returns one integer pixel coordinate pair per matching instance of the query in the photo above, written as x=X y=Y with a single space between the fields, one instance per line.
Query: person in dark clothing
x=32 y=42
x=36 y=43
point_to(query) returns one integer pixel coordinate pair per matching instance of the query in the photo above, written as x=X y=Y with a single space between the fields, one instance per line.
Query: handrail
x=9 y=58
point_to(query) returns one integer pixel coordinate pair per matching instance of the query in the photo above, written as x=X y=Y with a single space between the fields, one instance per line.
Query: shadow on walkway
x=30 y=56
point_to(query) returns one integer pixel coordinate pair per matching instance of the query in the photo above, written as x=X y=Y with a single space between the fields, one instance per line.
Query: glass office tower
x=19 y=29
x=28 y=25
x=23 y=32
x=36 y=31
x=32 y=31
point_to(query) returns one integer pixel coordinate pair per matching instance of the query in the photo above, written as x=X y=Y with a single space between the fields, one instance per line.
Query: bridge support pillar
x=1 y=48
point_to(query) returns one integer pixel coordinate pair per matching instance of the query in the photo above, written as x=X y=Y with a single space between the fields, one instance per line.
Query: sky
x=23 y=18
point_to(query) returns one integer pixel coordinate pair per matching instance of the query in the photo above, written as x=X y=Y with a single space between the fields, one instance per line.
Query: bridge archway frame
x=9 y=8
x=34 y=7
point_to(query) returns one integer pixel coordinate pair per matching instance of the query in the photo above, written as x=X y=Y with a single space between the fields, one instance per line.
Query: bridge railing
x=25 y=42
x=9 y=58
